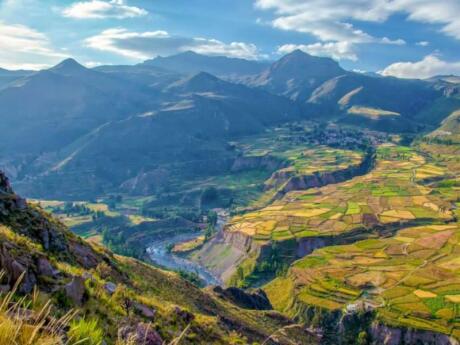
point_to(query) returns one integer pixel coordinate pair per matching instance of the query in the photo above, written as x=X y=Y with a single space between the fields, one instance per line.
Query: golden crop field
x=390 y=194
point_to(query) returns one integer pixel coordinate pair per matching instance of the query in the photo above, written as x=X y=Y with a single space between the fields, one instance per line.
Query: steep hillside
x=76 y=101
x=210 y=112
x=296 y=75
x=449 y=130
x=383 y=103
x=7 y=76
x=116 y=298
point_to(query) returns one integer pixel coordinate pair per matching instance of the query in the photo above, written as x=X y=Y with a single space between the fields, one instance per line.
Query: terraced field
x=289 y=155
x=412 y=279
x=390 y=195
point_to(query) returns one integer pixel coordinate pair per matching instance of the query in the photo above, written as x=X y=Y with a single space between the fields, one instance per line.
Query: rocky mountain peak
x=68 y=67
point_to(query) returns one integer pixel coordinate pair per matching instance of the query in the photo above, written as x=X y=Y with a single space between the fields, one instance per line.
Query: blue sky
x=405 y=38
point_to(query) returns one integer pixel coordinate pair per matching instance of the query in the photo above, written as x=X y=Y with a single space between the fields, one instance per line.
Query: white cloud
x=328 y=20
x=423 y=43
x=99 y=9
x=335 y=50
x=396 y=42
x=145 y=45
x=430 y=66
x=20 y=44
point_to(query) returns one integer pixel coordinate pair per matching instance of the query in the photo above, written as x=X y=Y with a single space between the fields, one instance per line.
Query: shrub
x=85 y=332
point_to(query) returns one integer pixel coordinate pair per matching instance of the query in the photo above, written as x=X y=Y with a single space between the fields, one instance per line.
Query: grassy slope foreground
x=60 y=289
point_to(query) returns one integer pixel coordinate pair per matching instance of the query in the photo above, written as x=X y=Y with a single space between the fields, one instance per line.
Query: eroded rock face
x=17 y=267
x=292 y=181
x=384 y=335
x=5 y=186
x=45 y=269
x=84 y=255
x=8 y=200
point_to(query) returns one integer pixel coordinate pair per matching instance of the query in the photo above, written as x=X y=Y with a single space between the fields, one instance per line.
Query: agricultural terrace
x=392 y=194
x=299 y=158
x=412 y=279
x=307 y=161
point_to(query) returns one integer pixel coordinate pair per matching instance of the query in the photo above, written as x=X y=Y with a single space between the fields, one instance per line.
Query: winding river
x=159 y=254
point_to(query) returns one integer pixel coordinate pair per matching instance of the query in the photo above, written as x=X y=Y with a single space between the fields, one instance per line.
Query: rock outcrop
x=385 y=335
x=141 y=334
x=245 y=299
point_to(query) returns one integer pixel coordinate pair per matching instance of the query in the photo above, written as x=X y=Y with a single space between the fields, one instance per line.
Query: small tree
x=124 y=297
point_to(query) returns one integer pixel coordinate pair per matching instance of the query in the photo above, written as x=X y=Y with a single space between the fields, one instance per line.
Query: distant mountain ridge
x=7 y=76
x=192 y=63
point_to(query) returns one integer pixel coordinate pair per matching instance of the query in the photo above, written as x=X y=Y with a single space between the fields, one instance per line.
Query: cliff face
x=239 y=240
x=386 y=335
x=287 y=181
x=362 y=327
x=8 y=200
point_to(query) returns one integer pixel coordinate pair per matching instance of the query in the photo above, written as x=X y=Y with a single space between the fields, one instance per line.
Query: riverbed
x=160 y=255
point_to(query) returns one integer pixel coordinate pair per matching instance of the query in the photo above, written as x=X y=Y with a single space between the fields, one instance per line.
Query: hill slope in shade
x=76 y=100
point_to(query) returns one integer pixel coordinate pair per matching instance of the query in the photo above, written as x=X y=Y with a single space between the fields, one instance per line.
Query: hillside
x=211 y=112
x=41 y=260
x=296 y=75
x=77 y=100
x=7 y=76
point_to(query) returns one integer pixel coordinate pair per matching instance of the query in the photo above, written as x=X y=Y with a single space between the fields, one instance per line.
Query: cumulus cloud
x=330 y=20
x=335 y=50
x=99 y=9
x=430 y=66
x=145 y=45
x=423 y=43
x=20 y=44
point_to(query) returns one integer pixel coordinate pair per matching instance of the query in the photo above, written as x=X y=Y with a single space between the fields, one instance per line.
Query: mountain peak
x=298 y=63
x=300 y=56
x=203 y=76
x=201 y=81
x=68 y=66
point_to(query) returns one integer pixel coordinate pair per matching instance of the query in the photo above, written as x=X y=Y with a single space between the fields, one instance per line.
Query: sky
x=403 y=38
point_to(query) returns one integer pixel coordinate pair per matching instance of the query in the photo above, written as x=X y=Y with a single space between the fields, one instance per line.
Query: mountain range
x=75 y=132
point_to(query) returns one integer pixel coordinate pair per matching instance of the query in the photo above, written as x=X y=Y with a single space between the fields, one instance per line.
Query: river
x=159 y=254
